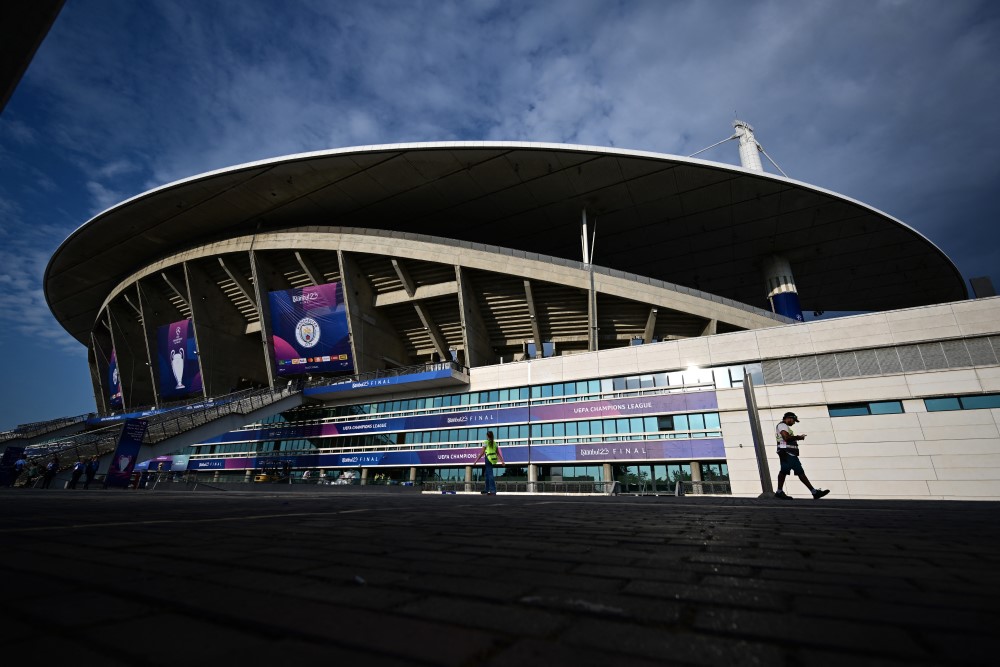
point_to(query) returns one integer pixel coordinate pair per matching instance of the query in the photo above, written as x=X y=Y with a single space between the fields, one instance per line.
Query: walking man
x=19 y=466
x=92 y=465
x=491 y=450
x=788 y=454
x=51 y=468
x=78 y=470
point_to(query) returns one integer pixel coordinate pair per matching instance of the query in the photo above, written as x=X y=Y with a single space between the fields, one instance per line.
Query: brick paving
x=166 y=577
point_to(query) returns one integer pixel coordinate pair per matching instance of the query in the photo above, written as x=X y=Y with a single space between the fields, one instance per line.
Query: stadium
x=622 y=320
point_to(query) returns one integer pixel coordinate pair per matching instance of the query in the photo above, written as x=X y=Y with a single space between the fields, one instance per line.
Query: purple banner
x=114 y=381
x=309 y=330
x=177 y=352
x=123 y=462
x=647 y=405
x=697 y=449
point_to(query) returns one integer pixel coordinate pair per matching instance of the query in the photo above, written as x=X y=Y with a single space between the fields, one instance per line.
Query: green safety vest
x=491 y=451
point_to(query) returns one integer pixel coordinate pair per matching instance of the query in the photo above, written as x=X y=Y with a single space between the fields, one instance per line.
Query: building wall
x=917 y=454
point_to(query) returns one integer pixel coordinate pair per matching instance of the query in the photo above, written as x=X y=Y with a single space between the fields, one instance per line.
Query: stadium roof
x=691 y=222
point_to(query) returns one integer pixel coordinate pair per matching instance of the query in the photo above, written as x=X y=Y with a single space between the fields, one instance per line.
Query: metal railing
x=34 y=429
x=523 y=486
x=160 y=427
x=388 y=373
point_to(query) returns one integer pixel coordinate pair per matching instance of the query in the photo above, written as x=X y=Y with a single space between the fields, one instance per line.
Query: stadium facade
x=426 y=293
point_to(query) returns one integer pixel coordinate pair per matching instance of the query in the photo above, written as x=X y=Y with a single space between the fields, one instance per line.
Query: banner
x=309 y=330
x=177 y=354
x=123 y=461
x=114 y=381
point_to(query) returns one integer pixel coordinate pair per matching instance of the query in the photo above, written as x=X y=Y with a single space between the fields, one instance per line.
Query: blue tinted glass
x=886 y=407
x=596 y=427
x=571 y=428
x=848 y=410
x=547 y=391
x=635 y=425
x=632 y=382
x=584 y=428
x=621 y=426
x=536 y=392
x=711 y=420
x=546 y=430
x=559 y=429
x=696 y=421
x=536 y=430
x=979 y=402
x=665 y=423
x=680 y=422
x=494 y=396
x=649 y=424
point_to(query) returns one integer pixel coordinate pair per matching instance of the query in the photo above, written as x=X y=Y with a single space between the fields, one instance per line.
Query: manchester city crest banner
x=114 y=381
x=177 y=354
x=309 y=330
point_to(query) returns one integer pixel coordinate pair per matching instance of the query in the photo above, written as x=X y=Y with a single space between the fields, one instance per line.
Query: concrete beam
x=710 y=328
x=372 y=337
x=242 y=284
x=421 y=293
x=179 y=290
x=475 y=334
x=404 y=277
x=314 y=274
x=129 y=340
x=534 y=319
x=647 y=335
x=440 y=346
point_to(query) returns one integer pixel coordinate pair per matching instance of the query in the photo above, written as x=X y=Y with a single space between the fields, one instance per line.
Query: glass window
x=559 y=429
x=547 y=391
x=712 y=420
x=584 y=428
x=536 y=430
x=680 y=422
x=571 y=428
x=536 y=392
x=660 y=380
x=619 y=384
x=980 y=402
x=696 y=422
x=848 y=410
x=886 y=407
x=546 y=430
x=596 y=427
x=622 y=426
x=665 y=423
x=632 y=382
x=646 y=381
x=649 y=424
x=582 y=387
x=635 y=425
x=607 y=385
x=594 y=386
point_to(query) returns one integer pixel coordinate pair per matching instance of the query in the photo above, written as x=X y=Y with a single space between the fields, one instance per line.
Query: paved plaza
x=179 y=578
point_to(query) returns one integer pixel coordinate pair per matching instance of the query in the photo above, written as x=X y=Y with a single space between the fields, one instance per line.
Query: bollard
x=679 y=488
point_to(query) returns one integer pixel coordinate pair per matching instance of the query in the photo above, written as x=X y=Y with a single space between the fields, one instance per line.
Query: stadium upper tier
x=703 y=225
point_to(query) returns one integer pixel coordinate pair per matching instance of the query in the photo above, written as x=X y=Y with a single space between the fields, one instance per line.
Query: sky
x=891 y=102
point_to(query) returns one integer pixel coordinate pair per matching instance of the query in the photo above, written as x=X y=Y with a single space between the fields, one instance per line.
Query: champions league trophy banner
x=180 y=374
x=309 y=330
x=114 y=381
x=123 y=461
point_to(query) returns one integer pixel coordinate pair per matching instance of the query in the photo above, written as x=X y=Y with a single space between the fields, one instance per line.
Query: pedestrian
x=307 y=476
x=20 y=465
x=33 y=472
x=51 y=468
x=91 y=471
x=78 y=469
x=491 y=450
x=788 y=454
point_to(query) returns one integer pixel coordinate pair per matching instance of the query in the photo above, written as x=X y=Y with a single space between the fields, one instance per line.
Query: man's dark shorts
x=789 y=463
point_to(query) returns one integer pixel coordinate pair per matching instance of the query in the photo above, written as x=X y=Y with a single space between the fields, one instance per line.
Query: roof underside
x=703 y=225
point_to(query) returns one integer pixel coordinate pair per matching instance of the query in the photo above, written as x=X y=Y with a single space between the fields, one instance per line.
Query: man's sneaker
x=819 y=493
x=781 y=495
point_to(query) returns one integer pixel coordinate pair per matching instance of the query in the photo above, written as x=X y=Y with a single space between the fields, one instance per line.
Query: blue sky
x=890 y=102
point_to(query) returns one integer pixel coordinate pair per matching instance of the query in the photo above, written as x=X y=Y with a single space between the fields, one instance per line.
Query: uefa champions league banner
x=114 y=381
x=180 y=374
x=309 y=330
x=123 y=462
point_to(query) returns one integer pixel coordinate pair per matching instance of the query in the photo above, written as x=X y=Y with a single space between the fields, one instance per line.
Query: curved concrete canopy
x=691 y=222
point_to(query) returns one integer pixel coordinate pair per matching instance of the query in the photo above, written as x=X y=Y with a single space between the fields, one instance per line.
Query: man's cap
x=792 y=415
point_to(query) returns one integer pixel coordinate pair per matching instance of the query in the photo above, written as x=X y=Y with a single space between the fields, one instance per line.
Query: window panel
x=886 y=407
x=942 y=404
x=848 y=410
x=980 y=402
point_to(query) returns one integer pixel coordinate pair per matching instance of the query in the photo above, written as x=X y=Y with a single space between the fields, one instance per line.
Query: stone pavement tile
x=673 y=574
x=346 y=574
x=720 y=595
x=897 y=614
x=486 y=585
x=83 y=609
x=537 y=652
x=834 y=579
x=823 y=658
x=882 y=639
x=981 y=601
x=502 y=619
x=964 y=649
x=355 y=594
x=594 y=603
x=532 y=579
x=783 y=587
x=669 y=645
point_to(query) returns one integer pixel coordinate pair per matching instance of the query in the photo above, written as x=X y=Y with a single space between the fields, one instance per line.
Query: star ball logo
x=307 y=332
x=177 y=336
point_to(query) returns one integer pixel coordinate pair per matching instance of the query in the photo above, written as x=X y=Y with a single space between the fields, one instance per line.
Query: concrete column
x=266 y=278
x=696 y=476
x=532 y=478
x=413 y=474
x=216 y=475
x=128 y=341
x=372 y=336
x=607 y=473
x=248 y=476
x=364 y=476
x=468 y=478
x=225 y=351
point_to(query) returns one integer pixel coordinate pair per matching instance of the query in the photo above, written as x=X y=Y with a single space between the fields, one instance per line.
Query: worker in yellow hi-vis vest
x=491 y=450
